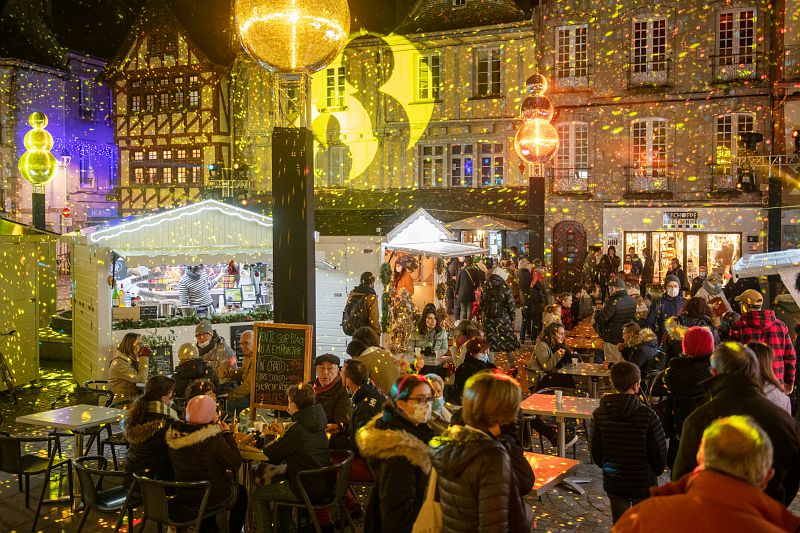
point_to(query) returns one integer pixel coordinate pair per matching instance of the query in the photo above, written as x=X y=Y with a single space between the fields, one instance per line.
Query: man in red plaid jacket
x=763 y=326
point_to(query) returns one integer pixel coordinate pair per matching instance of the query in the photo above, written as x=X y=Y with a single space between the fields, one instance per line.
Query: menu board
x=282 y=359
x=160 y=363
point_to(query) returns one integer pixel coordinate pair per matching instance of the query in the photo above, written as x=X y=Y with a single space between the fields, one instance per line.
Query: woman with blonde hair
x=127 y=368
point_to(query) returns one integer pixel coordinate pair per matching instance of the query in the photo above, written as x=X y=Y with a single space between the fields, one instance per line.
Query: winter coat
x=219 y=356
x=433 y=344
x=335 y=402
x=763 y=326
x=648 y=271
x=734 y=289
x=708 y=502
x=475 y=483
x=382 y=366
x=404 y=283
x=397 y=451
x=304 y=446
x=203 y=453
x=546 y=358
x=618 y=310
x=735 y=395
x=637 y=267
x=244 y=376
x=470 y=366
x=524 y=280
x=469 y=278
x=582 y=308
x=148 y=453
x=661 y=310
x=589 y=275
x=707 y=292
x=628 y=444
x=370 y=316
x=191 y=369
x=787 y=310
x=606 y=266
x=368 y=402
x=499 y=310
x=676 y=327
x=124 y=372
x=642 y=350
x=681 y=275
x=682 y=380
x=696 y=284
x=778 y=397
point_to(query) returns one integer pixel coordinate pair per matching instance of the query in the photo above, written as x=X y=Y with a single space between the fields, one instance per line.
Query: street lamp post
x=536 y=142
x=37 y=165
x=64 y=162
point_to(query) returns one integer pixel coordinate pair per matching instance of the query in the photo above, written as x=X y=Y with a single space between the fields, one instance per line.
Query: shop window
x=429 y=76
x=462 y=161
x=431 y=171
x=572 y=58
x=334 y=87
x=487 y=72
x=571 y=172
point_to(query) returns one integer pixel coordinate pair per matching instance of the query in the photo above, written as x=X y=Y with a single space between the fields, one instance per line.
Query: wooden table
x=571 y=407
x=583 y=337
x=593 y=370
x=550 y=471
x=75 y=418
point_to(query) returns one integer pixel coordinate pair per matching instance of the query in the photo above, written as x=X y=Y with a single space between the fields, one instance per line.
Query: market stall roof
x=207 y=231
x=785 y=263
x=424 y=235
x=486 y=223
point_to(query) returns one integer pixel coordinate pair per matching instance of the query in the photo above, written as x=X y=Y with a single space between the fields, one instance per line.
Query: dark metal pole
x=536 y=213
x=38 y=207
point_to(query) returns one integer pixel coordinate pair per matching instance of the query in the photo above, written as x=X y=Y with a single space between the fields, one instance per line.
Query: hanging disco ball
x=536 y=85
x=537 y=107
x=536 y=141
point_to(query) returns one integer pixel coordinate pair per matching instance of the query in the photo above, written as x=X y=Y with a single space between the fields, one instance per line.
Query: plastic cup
x=417 y=351
x=574 y=361
x=259 y=426
x=559 y=397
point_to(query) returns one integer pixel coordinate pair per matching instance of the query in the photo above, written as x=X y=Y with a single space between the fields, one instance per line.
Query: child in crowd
x=627 y=442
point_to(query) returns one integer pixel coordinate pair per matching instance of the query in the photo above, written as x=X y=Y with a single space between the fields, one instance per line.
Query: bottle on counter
x=115 y=296
x=128 y=299
x=121 y=295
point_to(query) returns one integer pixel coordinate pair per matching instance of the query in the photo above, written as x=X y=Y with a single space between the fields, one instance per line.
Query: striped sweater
x=194 y=289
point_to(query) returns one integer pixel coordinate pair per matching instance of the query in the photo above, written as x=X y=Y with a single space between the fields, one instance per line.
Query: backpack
x=355 y=314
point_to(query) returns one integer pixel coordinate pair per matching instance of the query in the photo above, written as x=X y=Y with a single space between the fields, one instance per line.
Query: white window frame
x=649 y=171
x=649 y=60
x=435 y=163
x=429 y=76
x=571 y=170
x=572 y=55
x=727 y=128
x=736 y=54
x=495 y=152
x=462 y=157
x=335 y=78
x=492 y=58
x=459 y=3
x=337 y=165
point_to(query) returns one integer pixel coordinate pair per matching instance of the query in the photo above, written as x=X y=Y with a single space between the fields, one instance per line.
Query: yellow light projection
x=355 y=126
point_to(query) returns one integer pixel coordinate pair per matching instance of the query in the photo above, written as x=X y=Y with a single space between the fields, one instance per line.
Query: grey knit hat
x=672 y=277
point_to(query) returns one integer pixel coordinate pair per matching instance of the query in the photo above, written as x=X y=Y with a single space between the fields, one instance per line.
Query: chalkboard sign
x=236 y=334
x=283 y=359
x=160 y=363
x=148 y=312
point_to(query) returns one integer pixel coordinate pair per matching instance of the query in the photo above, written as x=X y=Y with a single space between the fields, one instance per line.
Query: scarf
x=211 y=344
x=710 y=289
x=320 y=389
x=160 y=408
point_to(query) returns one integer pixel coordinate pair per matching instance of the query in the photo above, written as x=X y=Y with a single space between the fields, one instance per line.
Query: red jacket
x=705 y=501
x=764 y=326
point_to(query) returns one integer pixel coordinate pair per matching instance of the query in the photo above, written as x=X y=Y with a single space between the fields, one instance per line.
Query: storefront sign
x=681 y=220
x=283 y=359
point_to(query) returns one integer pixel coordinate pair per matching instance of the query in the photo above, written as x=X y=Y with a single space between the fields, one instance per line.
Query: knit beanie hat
x=672 y=277
x=697 y=342
x=201 y=410
x=500 y=272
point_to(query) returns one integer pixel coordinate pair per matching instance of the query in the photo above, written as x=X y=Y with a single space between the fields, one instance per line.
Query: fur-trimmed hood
x=384 y=443
x=183 y=435
x=644 y=336
x=141 y=433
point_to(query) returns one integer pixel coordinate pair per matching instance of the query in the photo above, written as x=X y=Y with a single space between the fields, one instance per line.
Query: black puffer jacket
x=203 y=452
x=190 y=370
x=619 y=309
x=642 y=351
x=677 y=326
x=476 y=484
x=368 y=402
x=469 y=278
x=628 y=444
x=304 y=446
x=498 y=308
x=465 y=370
x=736 y=395
x=684 y=392
x=397 y=451
x=148 y=453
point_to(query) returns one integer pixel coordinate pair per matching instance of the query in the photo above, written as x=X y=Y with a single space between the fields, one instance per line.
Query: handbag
x=429 y=519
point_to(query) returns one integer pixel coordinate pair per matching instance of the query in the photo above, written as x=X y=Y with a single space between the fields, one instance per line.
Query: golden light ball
x=536 y=141
x=292 y=36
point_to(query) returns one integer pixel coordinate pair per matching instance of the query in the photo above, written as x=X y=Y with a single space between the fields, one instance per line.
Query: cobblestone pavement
x=560 y=509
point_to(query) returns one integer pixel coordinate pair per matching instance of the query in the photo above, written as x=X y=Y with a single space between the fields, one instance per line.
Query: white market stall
x=490 y=232
x=206 y=232
x=785 y=263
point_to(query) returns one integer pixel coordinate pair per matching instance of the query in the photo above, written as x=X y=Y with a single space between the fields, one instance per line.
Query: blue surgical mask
x=438 y=403
x=484 y=357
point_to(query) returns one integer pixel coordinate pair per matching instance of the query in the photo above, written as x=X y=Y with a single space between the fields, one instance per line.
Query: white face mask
x=203 y=344
x=673 y=291
x=484 y=357
x=421 y=413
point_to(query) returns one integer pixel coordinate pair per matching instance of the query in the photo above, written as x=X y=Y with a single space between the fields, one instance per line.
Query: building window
x=571 y=172
x=166 y=154
x=736 y=44
x=462 y=164
x=113 y=169
x=138 y=175
x=196 y=153
x=431 y=171
x=193 y=79
x=572 y=58
x=149 y=103
x=138 y=156
x=487 y=70
x=136 y=103
x=649 y=53
x=152 y=155
x=177 y=99
x=86 y=176
x=197 y=175
x=194 y=98
x=337 y=165
x=459 y=3
x=492 y=164
x=649 y=159
x=86 y=97
x=182 y=174
x=181 y=153
x=728 y=129
x=162 y=43
x=152 y=175
x=334 y=84
x=429 y=76
x=163 y=102
x=166 y=175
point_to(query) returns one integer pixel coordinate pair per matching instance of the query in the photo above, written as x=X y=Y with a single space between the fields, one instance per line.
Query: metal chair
x=168 y=511
x=84 y=394
x=116 y=439
x=342 y=472
x=576 y=423
x=116 y=499
x=25 y=465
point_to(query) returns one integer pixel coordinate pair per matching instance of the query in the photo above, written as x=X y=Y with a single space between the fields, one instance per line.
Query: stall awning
x=438 y=249
x=785 y=263
x=486 y=223
x=204 y=232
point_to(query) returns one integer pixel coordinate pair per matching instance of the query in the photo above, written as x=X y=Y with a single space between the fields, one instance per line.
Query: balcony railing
x=648 y=180
x=791 y=62
x=725 y=178
x=565 y=180
x=736 y=67
x=653 y=73
x=573 y=78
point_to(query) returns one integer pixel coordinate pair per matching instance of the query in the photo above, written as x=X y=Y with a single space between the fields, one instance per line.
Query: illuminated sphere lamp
x=536 y=85
x=536 y=141
x=37 y=164
x=292 y=36
x=537 y=107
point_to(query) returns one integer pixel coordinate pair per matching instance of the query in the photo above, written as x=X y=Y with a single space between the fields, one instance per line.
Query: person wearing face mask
x=676 y=270
x=440 y=416
x=698 y=281
x=127 y=368
x=401 y=280
x=146 y=424
x=711 y=291
x=395 y=444
x=669 y=305
x=477 y=359
x=215 y=351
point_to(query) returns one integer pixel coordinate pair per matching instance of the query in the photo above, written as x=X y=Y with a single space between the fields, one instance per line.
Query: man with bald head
x=724 y=493
x=239 y=398
x=735 y=389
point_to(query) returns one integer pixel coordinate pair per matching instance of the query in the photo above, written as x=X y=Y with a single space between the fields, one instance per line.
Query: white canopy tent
x=785 y=263
x=421 y=234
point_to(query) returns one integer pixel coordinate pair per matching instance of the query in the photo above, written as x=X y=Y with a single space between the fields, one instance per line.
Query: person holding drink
x=550 y=354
